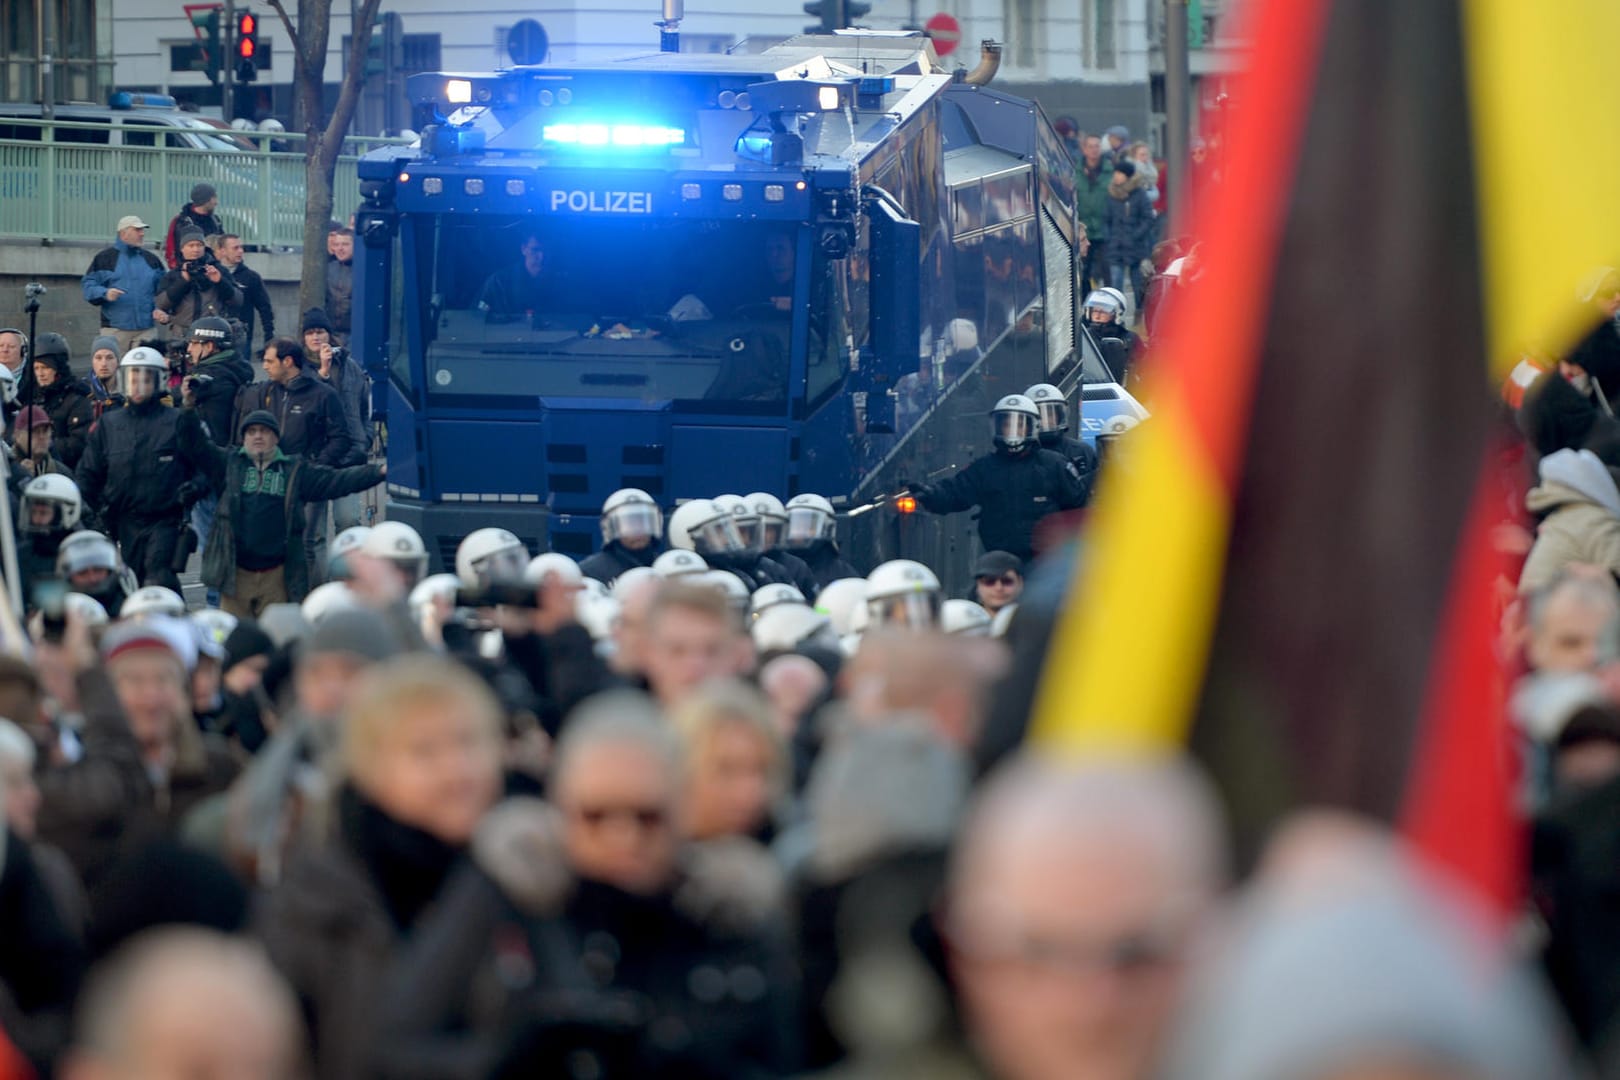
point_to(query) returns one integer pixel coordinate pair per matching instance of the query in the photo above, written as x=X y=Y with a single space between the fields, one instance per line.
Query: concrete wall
x=63 y=310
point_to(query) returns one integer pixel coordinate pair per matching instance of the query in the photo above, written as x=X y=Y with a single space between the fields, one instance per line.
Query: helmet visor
x=87 y=555
x=634 y=521
x=1054 y=415
x=915 y=610
x=718 y=536
x=1012 y=428
x=504 y=565
x=806 y=525
x=138 y=384
x=42 y=514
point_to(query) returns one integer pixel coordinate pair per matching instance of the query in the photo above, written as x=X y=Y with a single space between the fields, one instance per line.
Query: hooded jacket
x=1579 y=507
x=1556 y=416
x=67 y=402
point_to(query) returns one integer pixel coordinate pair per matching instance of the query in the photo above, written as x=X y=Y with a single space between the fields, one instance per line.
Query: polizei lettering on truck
x=602 y=202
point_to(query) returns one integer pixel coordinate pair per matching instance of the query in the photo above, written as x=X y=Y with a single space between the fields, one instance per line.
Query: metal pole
x=1177 y=112
x=45 y=27
x=227 y=61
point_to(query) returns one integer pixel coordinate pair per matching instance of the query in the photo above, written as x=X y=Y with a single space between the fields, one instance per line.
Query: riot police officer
x=1054 y=432
x=709 y=527
x=1013 y=487
x=811 y=533
x=763 y=523
x=1103 y=313
x=632 y=535
x=140 y=469
x=48 y=511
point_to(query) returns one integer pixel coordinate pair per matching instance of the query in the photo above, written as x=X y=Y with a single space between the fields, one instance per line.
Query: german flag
x=1295 y=578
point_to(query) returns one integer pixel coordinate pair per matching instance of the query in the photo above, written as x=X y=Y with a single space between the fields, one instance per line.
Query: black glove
x=921 y=492
x=191 y=492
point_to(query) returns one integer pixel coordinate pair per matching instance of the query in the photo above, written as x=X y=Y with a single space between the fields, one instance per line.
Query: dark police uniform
x=1012 y=494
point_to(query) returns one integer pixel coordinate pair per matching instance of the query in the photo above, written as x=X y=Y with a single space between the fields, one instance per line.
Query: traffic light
x=247 y=46
x=385 y=50
x=206 y=23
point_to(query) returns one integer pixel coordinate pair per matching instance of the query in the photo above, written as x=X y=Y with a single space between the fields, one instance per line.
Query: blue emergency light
x=622 y=136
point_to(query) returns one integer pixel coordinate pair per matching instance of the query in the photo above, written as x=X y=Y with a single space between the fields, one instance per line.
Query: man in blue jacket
x=122 y=281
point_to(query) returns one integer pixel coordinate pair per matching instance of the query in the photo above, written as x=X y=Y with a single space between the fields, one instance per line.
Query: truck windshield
x=650 y=310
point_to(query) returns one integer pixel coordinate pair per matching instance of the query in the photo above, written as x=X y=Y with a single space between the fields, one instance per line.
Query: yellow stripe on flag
x=1123 y=673
x=1544 y=84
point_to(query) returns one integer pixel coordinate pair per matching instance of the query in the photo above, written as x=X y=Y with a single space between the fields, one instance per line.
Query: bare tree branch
x=287 y=25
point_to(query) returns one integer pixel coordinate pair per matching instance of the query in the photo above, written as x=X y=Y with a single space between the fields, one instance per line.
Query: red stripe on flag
x=1459 y=803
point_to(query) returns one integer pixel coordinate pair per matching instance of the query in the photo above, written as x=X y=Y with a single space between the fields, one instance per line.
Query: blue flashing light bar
x=622 y=136
x=125 y=99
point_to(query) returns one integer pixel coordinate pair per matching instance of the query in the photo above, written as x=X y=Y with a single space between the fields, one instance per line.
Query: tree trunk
x=324 y=136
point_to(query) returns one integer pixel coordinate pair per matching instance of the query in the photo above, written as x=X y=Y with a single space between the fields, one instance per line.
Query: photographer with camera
x=255 y=551
x=200 y=287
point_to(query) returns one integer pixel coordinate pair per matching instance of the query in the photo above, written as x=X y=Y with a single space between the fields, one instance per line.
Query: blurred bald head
x=187 y=1003
x=1075 y=895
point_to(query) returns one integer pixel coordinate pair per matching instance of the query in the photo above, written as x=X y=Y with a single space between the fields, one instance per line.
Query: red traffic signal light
x=247 y=35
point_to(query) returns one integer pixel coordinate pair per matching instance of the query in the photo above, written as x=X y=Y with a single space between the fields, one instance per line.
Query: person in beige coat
x=1578 y=505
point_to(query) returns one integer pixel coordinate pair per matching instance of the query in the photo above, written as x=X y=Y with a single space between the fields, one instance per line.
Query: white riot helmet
x=1014 y=423
x=597 y=614
x=770 y=596
x=401 y=545
x=323 y=600
x=351 y=539
x=49 y=504
x=141 y=374
x=735 y=589
x=903 y=593
x=704 y=527
x=153 y=600
x=810 y=519
x=626 y=583
x=840 y=600
x=85 y=550
x=741 y=515
x=790 y=626
x=593 y=587
x=1003 y=620
x=214 y=625
x=8 y=385
x=345 y=543
x=561 y=567
x=85 y=608
x=1052 y=407
x=767 y=519
x=430 y=590
x=678 y=563
x=964 y=617
x=630 y=514
x=490 y=555
x=1108 y=305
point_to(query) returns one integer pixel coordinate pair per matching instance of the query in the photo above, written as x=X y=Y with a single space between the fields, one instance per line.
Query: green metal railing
x=67 y=181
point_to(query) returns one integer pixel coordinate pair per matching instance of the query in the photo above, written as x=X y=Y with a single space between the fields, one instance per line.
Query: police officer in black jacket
x=1054 y=429
x=1014 y=487
x=139 y=467
x=632 y=535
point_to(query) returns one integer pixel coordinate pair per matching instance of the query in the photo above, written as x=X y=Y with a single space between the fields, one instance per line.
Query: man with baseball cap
x=122 y=281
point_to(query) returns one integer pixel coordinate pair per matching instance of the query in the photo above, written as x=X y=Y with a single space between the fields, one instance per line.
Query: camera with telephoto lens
x=498 y=594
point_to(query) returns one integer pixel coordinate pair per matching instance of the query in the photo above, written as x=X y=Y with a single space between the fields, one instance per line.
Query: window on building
x=1024 y=29
x=1099 y=45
